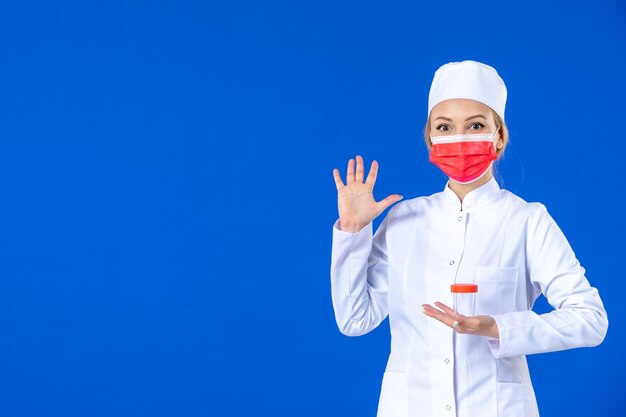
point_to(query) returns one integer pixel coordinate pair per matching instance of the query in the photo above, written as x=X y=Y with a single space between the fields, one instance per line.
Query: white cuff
x=337 y=228
x=496 y=344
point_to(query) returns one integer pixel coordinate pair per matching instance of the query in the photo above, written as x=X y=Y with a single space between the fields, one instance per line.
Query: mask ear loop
x=492 y=136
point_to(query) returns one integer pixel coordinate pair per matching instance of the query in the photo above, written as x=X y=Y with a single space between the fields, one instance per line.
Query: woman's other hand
x=357 y=207
x=477 y=325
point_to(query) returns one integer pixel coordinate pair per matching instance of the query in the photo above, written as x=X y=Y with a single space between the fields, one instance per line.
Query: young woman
x=443 y=363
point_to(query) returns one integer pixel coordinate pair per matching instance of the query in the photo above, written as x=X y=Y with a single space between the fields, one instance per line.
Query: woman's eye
x=476 y=126
x=443 y=128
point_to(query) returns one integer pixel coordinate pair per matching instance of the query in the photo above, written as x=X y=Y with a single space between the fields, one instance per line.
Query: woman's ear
x=500 y=142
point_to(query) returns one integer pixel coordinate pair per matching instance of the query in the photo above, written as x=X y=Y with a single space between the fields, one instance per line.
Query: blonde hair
x=500 y=125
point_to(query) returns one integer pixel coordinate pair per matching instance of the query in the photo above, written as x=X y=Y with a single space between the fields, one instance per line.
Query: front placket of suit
x=442 y=361
x=460 y=342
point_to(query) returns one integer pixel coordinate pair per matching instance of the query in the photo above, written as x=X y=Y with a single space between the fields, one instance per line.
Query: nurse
x=443 y=363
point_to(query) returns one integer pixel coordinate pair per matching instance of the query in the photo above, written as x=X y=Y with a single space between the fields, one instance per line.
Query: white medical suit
x=513 y=250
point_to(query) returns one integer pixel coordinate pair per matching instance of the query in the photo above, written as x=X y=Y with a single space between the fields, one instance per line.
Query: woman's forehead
x=460 y=107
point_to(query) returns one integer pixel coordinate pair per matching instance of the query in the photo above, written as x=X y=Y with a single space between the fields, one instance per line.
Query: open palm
x=355 y=198
x=477 y=325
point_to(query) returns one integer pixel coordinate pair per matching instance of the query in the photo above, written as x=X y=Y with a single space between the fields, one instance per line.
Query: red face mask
x=464 y=158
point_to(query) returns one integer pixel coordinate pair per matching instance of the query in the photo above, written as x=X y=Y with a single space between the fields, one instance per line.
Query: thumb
x=459 y=322
x=383 y=204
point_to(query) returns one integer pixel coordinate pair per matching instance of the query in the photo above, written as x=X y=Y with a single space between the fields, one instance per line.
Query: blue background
x=167 y=201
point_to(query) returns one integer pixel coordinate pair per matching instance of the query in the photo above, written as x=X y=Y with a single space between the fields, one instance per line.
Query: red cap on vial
x=464 y=288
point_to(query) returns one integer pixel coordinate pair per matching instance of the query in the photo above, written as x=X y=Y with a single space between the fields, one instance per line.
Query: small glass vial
x=464 y=298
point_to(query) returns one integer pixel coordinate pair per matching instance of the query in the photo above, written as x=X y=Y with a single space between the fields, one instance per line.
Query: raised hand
x=357 y=207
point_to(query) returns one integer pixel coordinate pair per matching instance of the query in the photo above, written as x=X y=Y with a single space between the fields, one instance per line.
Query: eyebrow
x=469 y=118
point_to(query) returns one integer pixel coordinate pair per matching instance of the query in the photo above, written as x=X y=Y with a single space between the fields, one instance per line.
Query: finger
x=337 y=177
x=443 y=317
x=371 y=177
x=383 y=204
x=462 y=324
x=446 y=308
x=437 y=314
x=359 y=169
x=350 y=174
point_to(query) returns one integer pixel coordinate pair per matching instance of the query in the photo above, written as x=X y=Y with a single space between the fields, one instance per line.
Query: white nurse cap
x=471 y=80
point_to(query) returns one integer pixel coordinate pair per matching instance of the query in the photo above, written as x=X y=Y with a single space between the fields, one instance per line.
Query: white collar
x=482 y=196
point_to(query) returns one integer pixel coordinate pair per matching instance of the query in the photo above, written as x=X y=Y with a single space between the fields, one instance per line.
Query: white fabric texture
x=471 y=80
x=513 y=250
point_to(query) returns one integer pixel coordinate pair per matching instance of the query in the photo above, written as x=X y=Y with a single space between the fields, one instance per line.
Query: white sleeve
x=358 y=276
x=579 y=318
